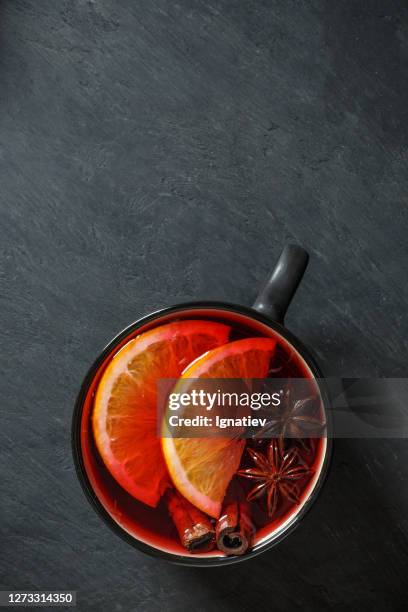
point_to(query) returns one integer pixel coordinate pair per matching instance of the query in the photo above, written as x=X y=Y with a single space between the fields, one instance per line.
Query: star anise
x=277 y=473
x=300 y=420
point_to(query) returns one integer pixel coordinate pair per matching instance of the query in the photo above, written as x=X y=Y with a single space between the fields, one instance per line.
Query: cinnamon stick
x=195 y=529
x=234 y=530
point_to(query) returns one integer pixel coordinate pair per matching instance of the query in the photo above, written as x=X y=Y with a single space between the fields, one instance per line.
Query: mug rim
x=83 y=476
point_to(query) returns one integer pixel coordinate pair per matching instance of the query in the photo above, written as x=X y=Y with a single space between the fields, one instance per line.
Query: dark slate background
x=155 y=151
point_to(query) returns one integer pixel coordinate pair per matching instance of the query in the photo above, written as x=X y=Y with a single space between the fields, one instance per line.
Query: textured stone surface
x=155 y=151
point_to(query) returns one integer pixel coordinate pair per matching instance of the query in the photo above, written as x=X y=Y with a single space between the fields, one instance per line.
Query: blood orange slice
x=124 y=416
x=201 y=468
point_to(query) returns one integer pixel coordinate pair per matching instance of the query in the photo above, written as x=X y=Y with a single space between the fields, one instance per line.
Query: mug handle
x=274 y=298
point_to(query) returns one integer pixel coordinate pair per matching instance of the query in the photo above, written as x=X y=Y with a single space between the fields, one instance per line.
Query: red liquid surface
x=154 y=526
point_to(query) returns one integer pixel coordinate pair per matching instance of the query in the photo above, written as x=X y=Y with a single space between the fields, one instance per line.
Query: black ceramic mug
x=127 y=517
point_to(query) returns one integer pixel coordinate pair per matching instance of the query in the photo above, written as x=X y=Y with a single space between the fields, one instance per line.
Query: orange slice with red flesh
x=201 y=468
x=124 y=417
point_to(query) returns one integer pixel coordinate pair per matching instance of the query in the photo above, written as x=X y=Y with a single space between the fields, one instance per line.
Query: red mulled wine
x=276 y=473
